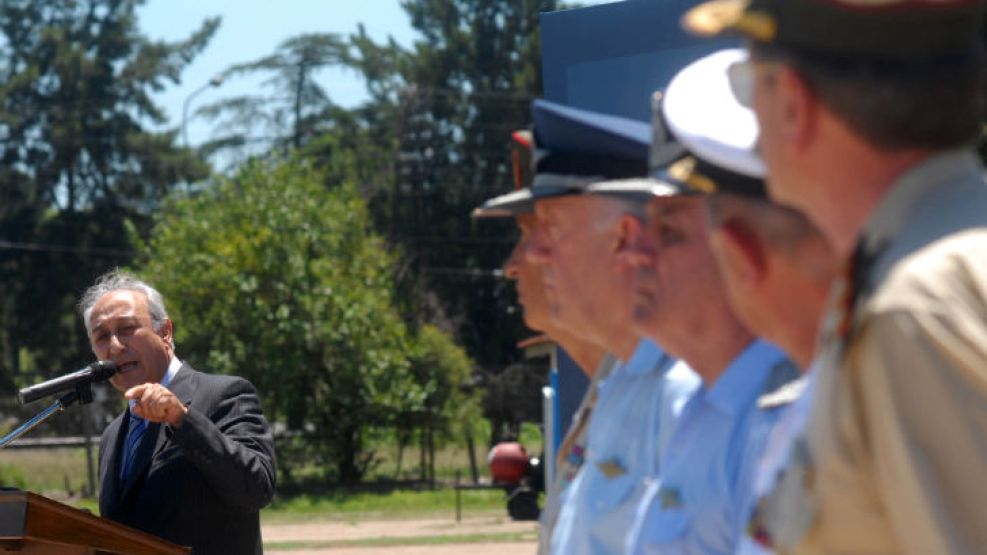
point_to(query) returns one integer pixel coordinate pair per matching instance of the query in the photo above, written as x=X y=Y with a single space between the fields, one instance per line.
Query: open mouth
x=644 y=296
x=126 y=367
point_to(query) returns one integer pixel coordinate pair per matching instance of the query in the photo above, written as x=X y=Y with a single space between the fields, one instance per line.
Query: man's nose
x=537 y=250
x=114 y=345
x=512 y=266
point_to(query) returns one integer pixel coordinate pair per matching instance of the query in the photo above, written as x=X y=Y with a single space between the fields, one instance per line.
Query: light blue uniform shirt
x=623 y=445
x=777 y=452
x=704 y=493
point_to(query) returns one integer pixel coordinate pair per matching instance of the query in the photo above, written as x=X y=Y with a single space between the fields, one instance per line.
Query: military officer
x=697 y=503
x=868 y=111
x=776 y=266
x=575 y=240
x=592 y=358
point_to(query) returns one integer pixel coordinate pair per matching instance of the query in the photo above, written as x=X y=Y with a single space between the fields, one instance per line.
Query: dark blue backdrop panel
x=610 y=58
x=572 y=385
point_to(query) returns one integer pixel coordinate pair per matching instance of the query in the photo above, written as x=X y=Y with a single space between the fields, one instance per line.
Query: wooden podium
x=30 y=523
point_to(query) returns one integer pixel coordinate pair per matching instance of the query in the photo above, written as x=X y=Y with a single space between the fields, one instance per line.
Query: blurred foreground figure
x=192 y=460
x=868 y=111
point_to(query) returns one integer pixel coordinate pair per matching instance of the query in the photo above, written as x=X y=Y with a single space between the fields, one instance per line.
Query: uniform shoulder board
x=784 y=395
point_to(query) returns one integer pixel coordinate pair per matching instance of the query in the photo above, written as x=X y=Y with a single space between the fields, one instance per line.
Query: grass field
x=366 y=519
x=61 y=473
x=459 y=539
x=393 y=504
x=58 y=471
x=449 y=459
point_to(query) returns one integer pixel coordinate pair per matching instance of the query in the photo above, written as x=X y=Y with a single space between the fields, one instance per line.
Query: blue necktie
x=135 y=432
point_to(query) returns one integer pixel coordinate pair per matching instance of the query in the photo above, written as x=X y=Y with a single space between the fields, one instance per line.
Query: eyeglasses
x=741 y=77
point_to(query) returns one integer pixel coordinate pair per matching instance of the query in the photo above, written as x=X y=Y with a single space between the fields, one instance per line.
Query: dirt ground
x=343 y=531
x=493 y=548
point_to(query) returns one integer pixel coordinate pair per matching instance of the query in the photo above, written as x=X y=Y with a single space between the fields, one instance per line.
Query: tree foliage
x=450 y=406
x=281 y=273
x=430 y=144
x=444 y=371
x=453 y=99
x=451 y=102
x=296 y=109
x=273 y=276
x=76 y=161
x=77 y=78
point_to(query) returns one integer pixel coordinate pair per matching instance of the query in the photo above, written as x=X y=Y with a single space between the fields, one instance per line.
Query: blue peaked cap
x=560 y=128
x=575 y=148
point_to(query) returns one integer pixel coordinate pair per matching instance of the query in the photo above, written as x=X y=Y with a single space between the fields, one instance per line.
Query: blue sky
x=251 y=29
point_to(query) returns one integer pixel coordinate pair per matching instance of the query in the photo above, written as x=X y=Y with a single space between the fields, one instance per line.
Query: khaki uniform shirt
x=894 y=457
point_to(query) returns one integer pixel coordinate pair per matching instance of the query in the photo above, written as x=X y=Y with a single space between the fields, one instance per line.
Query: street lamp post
x=216 y=81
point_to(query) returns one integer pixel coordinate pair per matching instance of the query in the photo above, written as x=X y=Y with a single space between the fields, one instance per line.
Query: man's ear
x=629 y=230
x=631 y=245
x=739 y=249
x=167 y=331
x=798 y=108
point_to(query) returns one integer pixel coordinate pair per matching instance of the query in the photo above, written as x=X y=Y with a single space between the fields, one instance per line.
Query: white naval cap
x=699 y=112
x=702 y=112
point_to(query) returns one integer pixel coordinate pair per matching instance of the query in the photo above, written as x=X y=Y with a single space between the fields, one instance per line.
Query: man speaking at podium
x=192 y=460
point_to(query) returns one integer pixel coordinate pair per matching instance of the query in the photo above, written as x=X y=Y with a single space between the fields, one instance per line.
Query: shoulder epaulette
x=784 y=395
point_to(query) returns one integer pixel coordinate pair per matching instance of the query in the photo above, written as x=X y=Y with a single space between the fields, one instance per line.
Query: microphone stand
x=83 y=393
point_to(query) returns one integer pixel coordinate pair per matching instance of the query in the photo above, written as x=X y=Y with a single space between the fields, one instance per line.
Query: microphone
x=96 y=372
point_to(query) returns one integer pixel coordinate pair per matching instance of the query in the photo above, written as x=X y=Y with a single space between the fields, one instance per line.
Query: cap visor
x=505 y=206
x=644 y=187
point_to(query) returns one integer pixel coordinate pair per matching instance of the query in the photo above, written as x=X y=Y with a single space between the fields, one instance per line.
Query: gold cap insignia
x=713 y=18
x=684 y=171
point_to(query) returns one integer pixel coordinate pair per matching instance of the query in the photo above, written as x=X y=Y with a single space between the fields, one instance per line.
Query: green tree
x=450 y=405
x=432 y=142
x=275 y=277
x=297 y=109
x=450 y=103
x=77 y=160
x=75 y=92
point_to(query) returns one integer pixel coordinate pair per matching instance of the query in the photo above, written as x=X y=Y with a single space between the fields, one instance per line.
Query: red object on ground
x=508 y=462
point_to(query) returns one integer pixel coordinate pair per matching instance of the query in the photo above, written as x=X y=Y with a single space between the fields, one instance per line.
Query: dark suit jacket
x=204 y=483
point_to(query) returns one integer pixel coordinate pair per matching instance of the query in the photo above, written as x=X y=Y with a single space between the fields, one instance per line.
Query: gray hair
x=929 y=102
x=116 y=280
